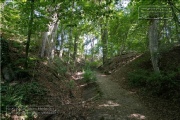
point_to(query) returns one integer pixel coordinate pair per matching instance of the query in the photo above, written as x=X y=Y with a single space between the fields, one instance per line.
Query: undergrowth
x=164 y=84
x=20 y=95
x=89 y=76
x=59 y=68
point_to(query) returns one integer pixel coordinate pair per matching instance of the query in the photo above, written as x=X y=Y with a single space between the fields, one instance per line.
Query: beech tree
x=153 y=43
x=104 y=28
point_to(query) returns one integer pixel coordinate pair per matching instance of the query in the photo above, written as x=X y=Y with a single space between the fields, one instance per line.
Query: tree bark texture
x=49 y=38
x=52 y=40
x=153 y=43
x=43 y=46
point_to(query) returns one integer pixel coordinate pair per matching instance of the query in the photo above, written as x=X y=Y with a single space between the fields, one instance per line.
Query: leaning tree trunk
x=153 y=43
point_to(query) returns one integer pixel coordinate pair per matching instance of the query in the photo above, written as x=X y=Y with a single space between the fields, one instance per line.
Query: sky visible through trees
x=62 y=37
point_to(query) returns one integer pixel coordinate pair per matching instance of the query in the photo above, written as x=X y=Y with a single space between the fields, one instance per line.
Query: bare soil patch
x=118 y=103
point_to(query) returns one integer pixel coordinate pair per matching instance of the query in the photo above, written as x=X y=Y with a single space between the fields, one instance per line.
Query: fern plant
x=89 y=76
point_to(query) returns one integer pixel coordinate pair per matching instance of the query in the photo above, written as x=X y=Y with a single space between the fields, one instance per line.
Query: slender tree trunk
x=61 y=44
x=167 y=33
x=153 y=44
x=70 y=42
x=122 y=47
x=29 y=33
x=92 y=49
x=104 y=38
x=75 y=47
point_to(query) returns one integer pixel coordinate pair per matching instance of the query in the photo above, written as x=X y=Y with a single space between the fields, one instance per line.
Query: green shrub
x=89 y=76
x=59 y=66
x=138 y=78
x=71 y=84
x=162 y=84
x=20 y=94
x=91 y=65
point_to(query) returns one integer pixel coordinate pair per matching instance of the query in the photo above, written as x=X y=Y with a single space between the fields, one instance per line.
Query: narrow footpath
x=118 y=103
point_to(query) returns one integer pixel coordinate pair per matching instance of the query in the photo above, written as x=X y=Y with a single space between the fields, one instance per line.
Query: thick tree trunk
x=53 y=39
x=29 y=33
x=153 y=43
x=43 y=46
x=49 y=38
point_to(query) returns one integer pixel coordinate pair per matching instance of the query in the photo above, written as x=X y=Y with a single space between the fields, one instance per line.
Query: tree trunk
x=153 y=43
x=92 y=49
x=53 y=39
x=49 y=38
x=61 y=44
x=167 y=33
x=104 y=38
x=43 y=46
x=29 y=33
x=75 y=47
x=70 y=42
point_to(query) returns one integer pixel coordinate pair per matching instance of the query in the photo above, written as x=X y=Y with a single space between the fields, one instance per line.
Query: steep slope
x=169 y=63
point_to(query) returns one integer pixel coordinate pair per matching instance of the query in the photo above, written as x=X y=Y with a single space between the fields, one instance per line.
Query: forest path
x=118 y=103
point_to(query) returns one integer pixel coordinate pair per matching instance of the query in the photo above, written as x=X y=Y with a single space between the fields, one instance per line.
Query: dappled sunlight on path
x=118 y=103
x=109 y=104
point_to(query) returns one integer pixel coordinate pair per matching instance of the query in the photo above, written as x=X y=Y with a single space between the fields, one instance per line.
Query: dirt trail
x=118 y=103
